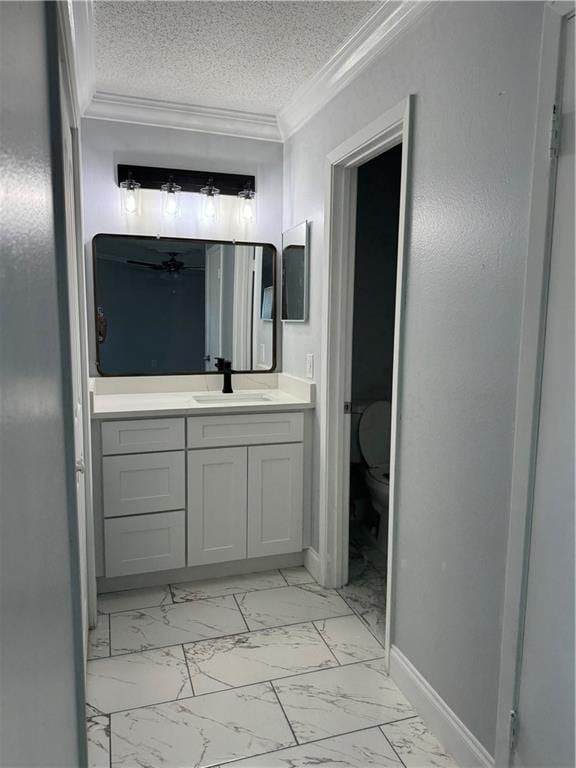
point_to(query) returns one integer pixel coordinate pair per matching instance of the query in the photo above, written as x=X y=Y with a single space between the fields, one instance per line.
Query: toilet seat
x=380 y=474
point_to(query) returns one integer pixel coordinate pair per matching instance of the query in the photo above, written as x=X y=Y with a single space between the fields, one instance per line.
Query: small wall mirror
x=172 y=306
x=295 y=256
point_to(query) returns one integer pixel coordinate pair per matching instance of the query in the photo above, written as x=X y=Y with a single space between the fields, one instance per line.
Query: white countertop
x=289 y=394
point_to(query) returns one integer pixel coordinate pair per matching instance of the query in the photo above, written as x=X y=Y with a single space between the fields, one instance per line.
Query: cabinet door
x=143 y=482
x=274 y=499
x=217 y=481
x=145 y=543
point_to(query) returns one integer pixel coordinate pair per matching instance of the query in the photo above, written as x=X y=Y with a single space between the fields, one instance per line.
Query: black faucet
x=225 y=366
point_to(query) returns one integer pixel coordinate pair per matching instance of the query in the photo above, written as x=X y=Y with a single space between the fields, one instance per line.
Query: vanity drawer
x=145 y=543
x=252 y=429
x=143 y=482
x=142 y=436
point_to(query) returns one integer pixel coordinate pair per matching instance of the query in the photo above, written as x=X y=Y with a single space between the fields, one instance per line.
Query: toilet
x=371 y=446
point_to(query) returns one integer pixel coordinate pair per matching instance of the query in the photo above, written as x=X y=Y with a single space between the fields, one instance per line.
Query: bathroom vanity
x=195 y=478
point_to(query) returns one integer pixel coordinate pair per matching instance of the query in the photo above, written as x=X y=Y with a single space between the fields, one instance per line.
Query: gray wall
x=40 y=697
x=473 y=68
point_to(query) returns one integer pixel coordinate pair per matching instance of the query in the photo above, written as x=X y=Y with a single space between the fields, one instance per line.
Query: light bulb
x=210 y=207
x=246 y=205
x=171 y=205
x=130 y=201
x=130 y=196
x=171 y=199
x=247 y=210
x=210 y=201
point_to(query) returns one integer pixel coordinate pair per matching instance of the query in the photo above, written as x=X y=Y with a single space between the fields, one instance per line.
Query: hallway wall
x=473 y=68
x=41 y=692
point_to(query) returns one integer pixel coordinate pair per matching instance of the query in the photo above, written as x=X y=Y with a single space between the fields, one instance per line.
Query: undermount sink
x=234 y=397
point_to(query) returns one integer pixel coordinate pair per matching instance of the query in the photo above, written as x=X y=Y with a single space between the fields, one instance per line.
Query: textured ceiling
x=233 y=54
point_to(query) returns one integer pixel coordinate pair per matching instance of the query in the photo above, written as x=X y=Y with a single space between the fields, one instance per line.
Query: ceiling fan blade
x=145 y=264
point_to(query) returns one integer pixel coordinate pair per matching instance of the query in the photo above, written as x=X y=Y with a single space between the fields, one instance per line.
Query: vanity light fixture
x=130 y=196
x=246 y=204
x=210 y=201
x=171 y=199
x=210 y=185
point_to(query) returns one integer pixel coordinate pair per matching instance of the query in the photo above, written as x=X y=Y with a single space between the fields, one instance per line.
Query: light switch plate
x=310 y=365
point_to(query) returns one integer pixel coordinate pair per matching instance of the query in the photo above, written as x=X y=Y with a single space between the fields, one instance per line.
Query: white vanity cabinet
x=217 y=505
x=274 y=499
x=200 y=490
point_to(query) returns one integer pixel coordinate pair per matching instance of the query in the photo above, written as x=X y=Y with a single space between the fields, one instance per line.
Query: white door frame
x=530 y=367
x=390 y=129
x=70 y=86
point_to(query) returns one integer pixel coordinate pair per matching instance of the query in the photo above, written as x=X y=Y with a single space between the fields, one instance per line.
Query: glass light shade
x=130 y=197
x=246 y=207
x=210 y=203
x=171 y=200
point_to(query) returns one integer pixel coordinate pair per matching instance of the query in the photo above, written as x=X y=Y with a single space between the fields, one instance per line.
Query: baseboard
x=455 y=737
x=312 y=564
x=200 y=572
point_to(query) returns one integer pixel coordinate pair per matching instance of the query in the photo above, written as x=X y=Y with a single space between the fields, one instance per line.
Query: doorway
x=385 y=133
x=374 y=298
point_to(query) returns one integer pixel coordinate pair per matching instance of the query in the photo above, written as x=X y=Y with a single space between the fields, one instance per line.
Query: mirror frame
x=274 y=319
x=285 y=244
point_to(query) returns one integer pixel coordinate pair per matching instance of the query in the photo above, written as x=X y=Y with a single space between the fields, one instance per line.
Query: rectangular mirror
x=295 y=274
x=172 y=306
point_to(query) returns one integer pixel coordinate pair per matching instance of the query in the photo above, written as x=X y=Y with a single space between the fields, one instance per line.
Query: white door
x=546 y=685
x=274 y=499
x=216 y=505
x=75 y=355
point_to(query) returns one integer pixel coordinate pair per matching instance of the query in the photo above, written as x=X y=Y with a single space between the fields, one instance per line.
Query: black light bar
x=150 y=177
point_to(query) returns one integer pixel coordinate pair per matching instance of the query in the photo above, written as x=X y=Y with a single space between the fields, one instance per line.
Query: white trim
x=312 y=563
x=372 y=36
x=71 y=112
x=454 y=736
x=76 y=20
x=387 y=131
x=190 y=117
x=529 y=379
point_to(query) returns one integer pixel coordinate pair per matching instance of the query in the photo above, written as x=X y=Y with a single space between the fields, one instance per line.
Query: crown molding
x=370 y=38
x=81 y=15
x=76 y=42
x=166 y=114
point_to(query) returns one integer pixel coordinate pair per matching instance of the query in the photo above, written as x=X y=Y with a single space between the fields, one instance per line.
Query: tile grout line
x=297 y=744
x=176 y=601
x=198 y=696
x=359 y=615
x=377 y=727
x=218 y=637
x=241 y=614
x=380 y=728
x=110 y=740
x=188 y=669
x=324 y=641
x=319 y=741
x=284 y=577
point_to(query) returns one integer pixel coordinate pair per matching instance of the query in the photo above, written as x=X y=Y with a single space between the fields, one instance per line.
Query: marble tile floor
x=261 y=670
